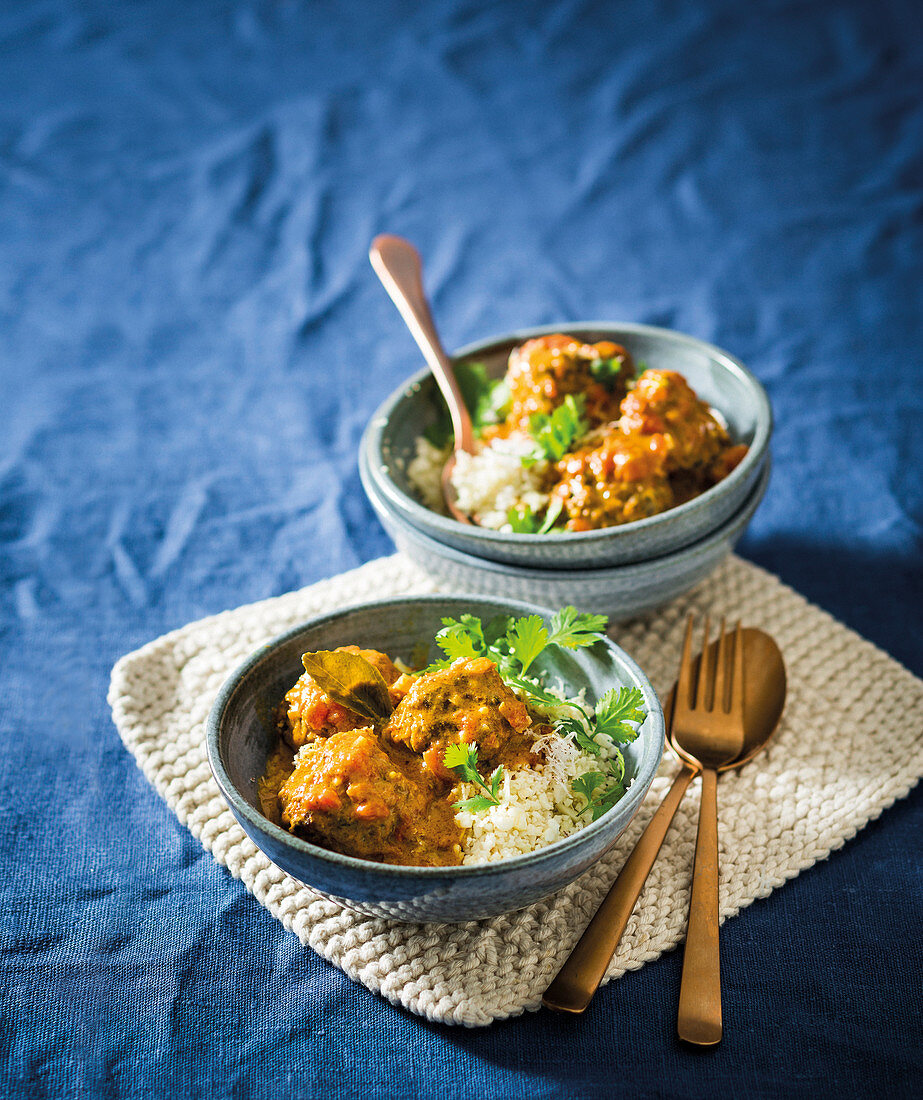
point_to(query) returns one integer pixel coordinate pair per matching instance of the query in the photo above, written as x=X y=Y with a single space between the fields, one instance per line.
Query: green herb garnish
x=613 y=717
x=606 y=371
x=573 y=630
x=514 y=645
x=462 y=637
x=525 y=522
x=487 y=400
x=616 y=710
x=601 y=789
x=555 y=433
x=463 y=760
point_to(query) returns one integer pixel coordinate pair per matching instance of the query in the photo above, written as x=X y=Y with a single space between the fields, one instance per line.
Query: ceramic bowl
x=619 y=591
x=240 y=737
x=717 y=377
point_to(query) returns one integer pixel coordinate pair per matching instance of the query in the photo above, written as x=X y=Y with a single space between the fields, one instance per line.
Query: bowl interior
x=241 y=728
x=718 y=379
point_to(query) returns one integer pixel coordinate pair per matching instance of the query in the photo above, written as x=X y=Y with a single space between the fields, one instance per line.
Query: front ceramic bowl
x=719 y=379
x=240 y=737
x=619 y=591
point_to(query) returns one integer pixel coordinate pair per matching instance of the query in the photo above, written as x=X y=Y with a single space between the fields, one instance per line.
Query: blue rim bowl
x=240 y=736
x=619 y=591
x=717 y=377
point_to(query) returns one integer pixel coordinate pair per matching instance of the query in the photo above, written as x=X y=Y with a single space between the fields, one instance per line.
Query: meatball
x=662 y=403
x=542 y=372
x=308 y=712
x=615 y=479
x=466 y=702
x=349 y=794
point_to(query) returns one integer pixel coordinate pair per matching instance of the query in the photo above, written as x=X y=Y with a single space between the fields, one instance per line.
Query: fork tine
x=684 y=680
x=706 y=670
x=719 y=694
x=736 y=703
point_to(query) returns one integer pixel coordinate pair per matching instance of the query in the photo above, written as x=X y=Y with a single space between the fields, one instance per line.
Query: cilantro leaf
x=600 y=790
x=527 y=638
x=462 y=637
x=573 y=727
x=606 y=370
x=536 y=690
x=555 y=433
x=486 y=398
x=586 y=784
x=616 y=710
x=495 y=630
x=523 y=520
x=606 y=801
x=463 y=760
x=476 y=804
x=573 y=630
x=526 y=522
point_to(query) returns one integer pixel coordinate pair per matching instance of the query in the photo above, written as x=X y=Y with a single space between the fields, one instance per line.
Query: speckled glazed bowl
x=718 y=378
x=619 y=591
x=240 y=738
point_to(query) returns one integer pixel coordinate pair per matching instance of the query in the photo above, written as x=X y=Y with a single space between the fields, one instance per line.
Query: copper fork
x=707 y=732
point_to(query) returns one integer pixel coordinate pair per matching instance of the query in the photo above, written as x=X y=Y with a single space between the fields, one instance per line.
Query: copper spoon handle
x=579 y=977
x=699 y=1018
x=397 y=264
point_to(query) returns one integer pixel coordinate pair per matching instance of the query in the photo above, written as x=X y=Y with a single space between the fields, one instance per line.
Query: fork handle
x=579 y=977
x=699 y=1017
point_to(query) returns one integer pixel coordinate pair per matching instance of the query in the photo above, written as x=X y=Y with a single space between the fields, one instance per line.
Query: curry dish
x=628 y=445
x=380 y=789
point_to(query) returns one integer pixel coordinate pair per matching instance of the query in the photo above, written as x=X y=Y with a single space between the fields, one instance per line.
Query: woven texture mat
x=849 y=745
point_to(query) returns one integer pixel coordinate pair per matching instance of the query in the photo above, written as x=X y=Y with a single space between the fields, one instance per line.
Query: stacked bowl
x=621 y=571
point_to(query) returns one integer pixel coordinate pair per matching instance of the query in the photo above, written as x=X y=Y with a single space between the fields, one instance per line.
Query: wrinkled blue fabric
x=191 y=342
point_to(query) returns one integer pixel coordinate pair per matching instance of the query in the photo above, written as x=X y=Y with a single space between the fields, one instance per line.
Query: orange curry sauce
x=383 y=792
x=651 y=444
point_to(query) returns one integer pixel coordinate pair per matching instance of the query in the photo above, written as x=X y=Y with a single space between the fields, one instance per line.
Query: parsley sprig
x=601 y=789
x=617 y=716
x=524 y=521
x=463 y=760
x=613 y=717
x=606 y=370
x=486 y=398
x=555 y=433
x=514 y=645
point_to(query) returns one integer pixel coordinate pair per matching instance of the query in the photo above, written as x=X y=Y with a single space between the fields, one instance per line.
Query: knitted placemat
x=848 y=746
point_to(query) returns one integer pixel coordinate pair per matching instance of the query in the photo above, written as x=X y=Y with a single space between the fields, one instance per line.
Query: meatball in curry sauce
x=379 y=789
x=628 y=443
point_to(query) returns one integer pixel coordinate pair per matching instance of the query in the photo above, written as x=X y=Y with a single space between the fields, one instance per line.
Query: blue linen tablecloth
x=191 y=342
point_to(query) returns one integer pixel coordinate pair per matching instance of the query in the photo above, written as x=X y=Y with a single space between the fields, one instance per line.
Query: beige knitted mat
x=849 y=745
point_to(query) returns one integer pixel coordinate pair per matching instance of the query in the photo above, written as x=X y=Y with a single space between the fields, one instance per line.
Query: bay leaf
x=350 y=681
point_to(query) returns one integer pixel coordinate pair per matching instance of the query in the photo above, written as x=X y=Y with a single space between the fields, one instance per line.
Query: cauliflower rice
x=537 y=806
x=488 y=483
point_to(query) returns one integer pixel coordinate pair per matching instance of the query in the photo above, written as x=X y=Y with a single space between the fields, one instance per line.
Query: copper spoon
x=397 y=263
x=764 y=699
